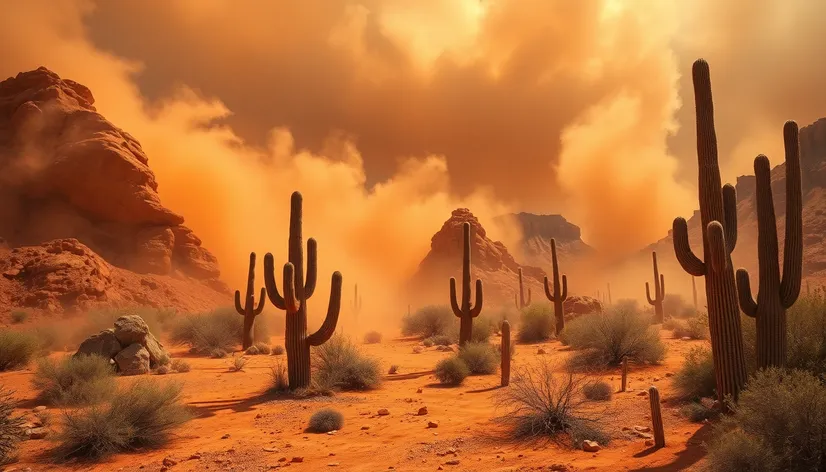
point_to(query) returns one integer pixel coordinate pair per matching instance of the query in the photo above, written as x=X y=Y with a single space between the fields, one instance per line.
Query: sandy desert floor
x=240 y=427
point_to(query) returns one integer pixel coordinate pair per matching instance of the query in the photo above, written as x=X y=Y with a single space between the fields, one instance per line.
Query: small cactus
x=465 y=312
x=559 y=293
x=775 y=295
x=624 y=386
x=506 y=353
x=659 y=291
x=521 y=302
x=248 y=310
x=656 y=417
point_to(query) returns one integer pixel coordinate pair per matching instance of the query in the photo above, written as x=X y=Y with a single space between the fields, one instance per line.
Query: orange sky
x=389 y=113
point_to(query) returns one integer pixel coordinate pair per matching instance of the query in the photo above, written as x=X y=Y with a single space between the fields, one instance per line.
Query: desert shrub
x=180 y=365
x=144 y=415
x=263 y=348
x=373 y=337
x=81 y=380
x=237 y=363
x=542 y=403
x=626 y=304
x=278 y=350
x=219 y=329
x=278 y=374
x=695 y=379
x=482 y=331
x=697 y=412
x=599 y=391
x=451 y=371
x=428 y=321
x=19 y=316
x=252 y=351
x=325 y=420
x=339 y=364
x=481 y=358
x=218 y=353
x=11 y=427
x=695 y=327
x=536 y=323
x=674 y=305
x=427 y=342
x=605 y=338
x=439 y=340
x=393 y=369
x=16 y=349
x=162 y=370
x=780 y=419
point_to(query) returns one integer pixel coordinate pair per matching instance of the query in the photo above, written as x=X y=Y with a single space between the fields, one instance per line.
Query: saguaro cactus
x=656 y=417
x=506 y=353
x=465 y=312
x=775 y=296
x=296 y=293
x=659 y=291
x=610 y=302
x=718 y=213
x=560 y=292
x=694 y=294
x=356 y=303
x=248 y=310
x=522 y=302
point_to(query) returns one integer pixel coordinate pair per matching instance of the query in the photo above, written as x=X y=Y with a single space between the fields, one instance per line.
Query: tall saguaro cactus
x=521 y=302
x=506 y=353
x=296 y=293
x=694 y=294
x=356 y=304
x=248 y=310
x=560 y=291
x=659 y=291
x=718 y=213
x=775 y=296
x=465 y=312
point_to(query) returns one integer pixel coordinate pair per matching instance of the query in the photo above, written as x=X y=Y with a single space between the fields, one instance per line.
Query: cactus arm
x=793 y=246
x=328 y=328
x=682 y=249
x=241 y=311
x=548 y=292
x=292 y=304
x=747 y=303
x=717 y=246
x=262 y=301
x=312 y=268
x=651 y=301
x=661 y=295
x=730 y=215
x=269 y=282
x=564 y=287
x=477 y=307
x=453 y=302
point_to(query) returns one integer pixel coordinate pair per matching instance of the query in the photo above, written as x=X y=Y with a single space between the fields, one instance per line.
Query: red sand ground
x=241 y=428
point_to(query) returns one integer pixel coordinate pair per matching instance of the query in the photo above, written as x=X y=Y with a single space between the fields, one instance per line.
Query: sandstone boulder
x=155 y=349
x=103 y=344
x=133 y=360
x=131 y=329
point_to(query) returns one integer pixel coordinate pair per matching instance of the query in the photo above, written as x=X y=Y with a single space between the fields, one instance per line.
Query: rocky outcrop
x=130 y=345
x=67 y=172
x=537 y=231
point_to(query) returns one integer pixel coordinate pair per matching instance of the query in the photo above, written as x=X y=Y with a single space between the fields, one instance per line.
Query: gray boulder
x=103 y=344
x=131 y=329
x=134 y=360
x=155 y=349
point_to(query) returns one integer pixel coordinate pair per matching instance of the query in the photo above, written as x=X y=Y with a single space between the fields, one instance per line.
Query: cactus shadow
x=694 y=451
x=484 y=390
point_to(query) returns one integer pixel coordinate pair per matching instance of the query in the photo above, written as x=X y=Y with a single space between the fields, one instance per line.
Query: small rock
x=39 y=408
x=37 y=433
x=331 y=433
x=332 y=464
x=226 y=436
x=169 y=462
x=642 y=429
x=383 y=412
x=540 y=351
x=669 y=374
x=642 y=393
x=365 y=428
x=432 y=424
x=195 y=456
x=270 y=449
x=419 y=390
x=590 y=446
x=422 y=411
x=645 y=435
x=685 y=338
x=297 y=459
x=452 y=462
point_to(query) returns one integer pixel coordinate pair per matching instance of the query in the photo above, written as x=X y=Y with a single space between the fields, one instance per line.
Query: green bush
x=373 y=337
x=695 y=379
x=481 y=358
x=431 y=320
x=19 y=316
x=452 y=371
x=11 y=427
x=606 y=338
x=221 y=329
x=144 y=415
x=340 y=365
x=599 y=391
x=325 y=420
x=81 y=380
x=779 y=422
x=16 y=349
x=537 y=323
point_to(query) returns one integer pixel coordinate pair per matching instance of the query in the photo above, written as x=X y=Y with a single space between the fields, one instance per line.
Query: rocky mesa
x=80 y=215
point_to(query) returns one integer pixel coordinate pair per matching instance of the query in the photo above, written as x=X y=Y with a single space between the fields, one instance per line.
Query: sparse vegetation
x=372 y=337
x=598 y=390
x=537 y=323
x=694 y=327
x=428 y=321
x=697 y=412
x=16 y=349
x=162 y=370
x=144 y=415
x=280 y=382
x=237 y=363
x=427 y=342
x=481 y=358
x=81 y=380
x=340 y=365
x=11 y=427
x=219 y=329
x=542 y=403
x=218 y=354
x=263 y=348
x=180 y=365
x=451 y=371
x=779 y=424
x=19 y=316
x=278 y=351
x=605 y=338
x=695 y=379
x=325 y=420
x=439 y=340
x=674 y=305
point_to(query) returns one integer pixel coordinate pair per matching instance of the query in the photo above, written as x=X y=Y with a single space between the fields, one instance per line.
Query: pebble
x=432 y=424
x=383 y=412
x=590 y=446
x=422 y=411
